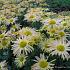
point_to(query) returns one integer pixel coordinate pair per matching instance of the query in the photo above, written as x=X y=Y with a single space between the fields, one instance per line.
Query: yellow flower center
x=21 y=58
x=27 y=32
x=60 y=48
x=32 y=17
x=3 y=27
x=52 y=30
x=14 y=27
x=52 y=21
x=43 y=63
x=3 y=18
x=64 y=23
x=11 y=20
x=62 y=34
x=1 y=35
x=46 y=46
x=34 y=10
x=4 y=42
x=35 y=39
x=23 y=43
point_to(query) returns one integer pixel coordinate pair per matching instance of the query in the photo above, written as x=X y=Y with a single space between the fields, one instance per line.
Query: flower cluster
x=49 y=40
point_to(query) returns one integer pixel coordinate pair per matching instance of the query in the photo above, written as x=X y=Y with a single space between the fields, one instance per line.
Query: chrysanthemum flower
x=20 y=60
x=3 y=65
x=52 y=30
x=4 y=40
x=60 y=48
x=51 y=25
x=11 y=20
x=21 y=46
x=2 y=35
x=3 y=28
x=33 y=14
x=45 y=45
x=26 y=31
x=42 y=63
x=2 y=18
x=4 y=43
x=15 y=27
x=35 y=11
x=52 y=21
x=65 y=24
x=35 y=39
x=32 y=17
x=61 y=34
x=56 y=29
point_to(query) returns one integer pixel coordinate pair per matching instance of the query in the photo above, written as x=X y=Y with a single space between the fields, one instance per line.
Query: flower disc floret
x=60 y=48
x=43 y=63
x=52 y=21
x=22 y=43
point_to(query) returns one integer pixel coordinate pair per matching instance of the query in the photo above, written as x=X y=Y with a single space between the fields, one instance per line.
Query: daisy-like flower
x=2 y=18
x=65 y=24
x=21 y=46
x=35 y=39
x=4 y=40
x=63 y=34
x=51 y=25
x=52 y=22
x=32 y=17
x=4 y=43
x=3 y=65
x=35 y=11
x=42 y=63
x=3 y=35
x=26 y=31
x=20 y=60
x=60 y=48
x=15 y=27
x=3 y=28
x=45 y=45
x=11 y=20
x=52 y=30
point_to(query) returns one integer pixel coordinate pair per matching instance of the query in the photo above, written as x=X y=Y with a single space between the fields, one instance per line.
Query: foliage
x=59 y=5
